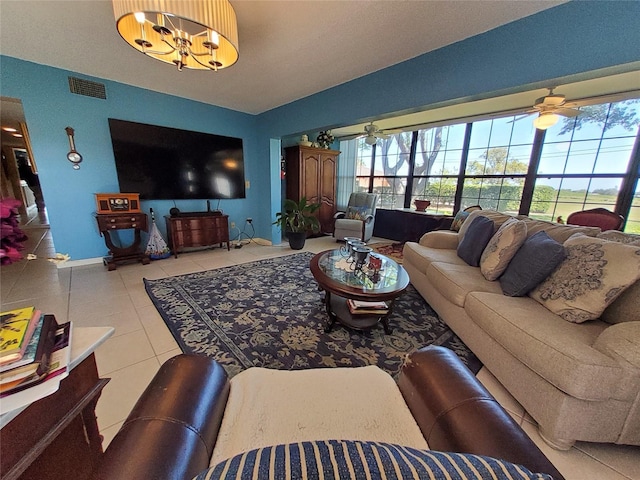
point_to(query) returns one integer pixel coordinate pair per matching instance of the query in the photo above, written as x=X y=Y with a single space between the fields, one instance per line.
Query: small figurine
x=560 y=220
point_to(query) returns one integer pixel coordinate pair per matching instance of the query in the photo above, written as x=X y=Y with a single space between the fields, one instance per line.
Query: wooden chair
x=597 y=217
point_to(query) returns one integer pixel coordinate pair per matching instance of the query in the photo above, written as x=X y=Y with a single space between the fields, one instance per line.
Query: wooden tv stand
x=197 y=229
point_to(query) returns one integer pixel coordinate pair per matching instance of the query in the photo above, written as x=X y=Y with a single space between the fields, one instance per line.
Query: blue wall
x=568 y=43
x=49 y=107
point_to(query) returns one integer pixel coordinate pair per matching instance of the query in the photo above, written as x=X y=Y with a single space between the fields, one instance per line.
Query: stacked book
x=357 y=307
x=34 y=356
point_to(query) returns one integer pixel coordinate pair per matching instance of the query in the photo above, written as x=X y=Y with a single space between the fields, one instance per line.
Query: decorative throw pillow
x=534 y=261
x=502 y=247
x=465 y=224
x=475 y=240
x=620 y=237
x=593 y=275
x=458 y=220
x=357 y=213
x=625 y=308
x=352 y=459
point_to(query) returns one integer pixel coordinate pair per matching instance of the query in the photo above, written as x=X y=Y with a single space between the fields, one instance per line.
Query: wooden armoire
x=311 y=173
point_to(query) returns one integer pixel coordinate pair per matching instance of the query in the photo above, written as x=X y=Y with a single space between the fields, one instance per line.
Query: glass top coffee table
x=336 y=276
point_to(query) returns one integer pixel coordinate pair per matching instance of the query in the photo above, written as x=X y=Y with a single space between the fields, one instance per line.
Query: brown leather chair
x=597 y=217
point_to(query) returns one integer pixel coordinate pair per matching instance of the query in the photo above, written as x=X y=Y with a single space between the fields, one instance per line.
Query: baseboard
x=79 y=263
x=262 y=241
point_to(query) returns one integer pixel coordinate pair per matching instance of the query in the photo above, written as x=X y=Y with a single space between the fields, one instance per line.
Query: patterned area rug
x=270 y=314
x=389 y=249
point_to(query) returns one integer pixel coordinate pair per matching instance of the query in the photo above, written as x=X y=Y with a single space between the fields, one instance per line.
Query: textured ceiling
x=288 y=49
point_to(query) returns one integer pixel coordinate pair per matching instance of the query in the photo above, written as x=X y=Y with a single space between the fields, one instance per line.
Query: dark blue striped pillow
x=345 y=459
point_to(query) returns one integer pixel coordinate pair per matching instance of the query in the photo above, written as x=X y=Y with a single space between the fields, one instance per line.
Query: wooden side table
x=57 y=436
x=123 y=221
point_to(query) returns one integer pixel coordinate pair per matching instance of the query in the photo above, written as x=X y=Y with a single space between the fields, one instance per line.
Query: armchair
x=596 y=217
x=359 y=218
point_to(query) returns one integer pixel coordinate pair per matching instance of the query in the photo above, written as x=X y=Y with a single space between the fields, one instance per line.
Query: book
x=357 y=307
x=58 y=370
x=29 y=353
x=37 y=354
x=16 y=329
x=357 y=304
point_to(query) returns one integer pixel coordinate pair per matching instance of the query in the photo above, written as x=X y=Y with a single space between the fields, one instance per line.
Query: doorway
x=19 y=172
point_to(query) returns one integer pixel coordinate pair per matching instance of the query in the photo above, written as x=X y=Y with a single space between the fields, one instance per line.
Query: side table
x=57 y=436
x=123 y=221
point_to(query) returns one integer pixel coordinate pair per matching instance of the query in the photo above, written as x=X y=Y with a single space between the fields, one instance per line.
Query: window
x=584 y=162
x=437 y=166
x=497 y=164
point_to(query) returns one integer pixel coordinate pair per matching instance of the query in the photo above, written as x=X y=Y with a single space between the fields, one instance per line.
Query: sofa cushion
x=534 y=261
x=475 y=240
x=421 y=257
x=625 y=308
x=559 y=232
x=502 y=247
x=347 y=459
x=593 y=275
x=454 y=282
x=558 y=351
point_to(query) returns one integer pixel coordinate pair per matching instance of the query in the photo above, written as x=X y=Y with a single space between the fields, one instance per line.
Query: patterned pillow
x=593 y=275
x=617 y=236
x=347 y=459
x=502 y=248
x=458 y=220
x=357 y=213
x=626 y=308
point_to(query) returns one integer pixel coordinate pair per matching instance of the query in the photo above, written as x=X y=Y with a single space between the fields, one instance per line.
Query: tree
x=497 y=162
x=607 y=114
x=429 y=145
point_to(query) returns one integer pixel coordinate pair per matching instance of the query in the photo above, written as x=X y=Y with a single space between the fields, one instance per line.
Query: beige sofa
x=579 y=381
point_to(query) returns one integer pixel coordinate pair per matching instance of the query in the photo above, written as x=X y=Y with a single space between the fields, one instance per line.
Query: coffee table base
x=338 y=311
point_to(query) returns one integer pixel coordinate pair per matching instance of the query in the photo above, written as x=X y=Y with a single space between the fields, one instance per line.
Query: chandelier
x=200 y=35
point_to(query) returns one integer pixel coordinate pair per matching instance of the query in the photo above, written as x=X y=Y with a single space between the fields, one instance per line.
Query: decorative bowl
x=421 y=205
x=304 y=144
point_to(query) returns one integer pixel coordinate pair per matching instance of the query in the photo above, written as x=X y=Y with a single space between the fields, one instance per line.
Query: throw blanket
x=272 y=407
x=343 y=459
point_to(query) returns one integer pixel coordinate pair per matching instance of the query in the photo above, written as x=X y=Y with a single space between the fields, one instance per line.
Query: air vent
x=87 y=88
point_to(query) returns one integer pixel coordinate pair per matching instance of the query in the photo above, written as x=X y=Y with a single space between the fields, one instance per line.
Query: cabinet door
x=327 y=193
x=311 y=167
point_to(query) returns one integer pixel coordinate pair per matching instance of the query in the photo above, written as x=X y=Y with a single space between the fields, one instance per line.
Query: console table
x=197 y=229
x=57 y=436
x=122 y=221
x=405 y=225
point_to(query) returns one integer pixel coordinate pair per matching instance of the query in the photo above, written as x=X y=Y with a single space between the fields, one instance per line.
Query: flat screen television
x=162 y=163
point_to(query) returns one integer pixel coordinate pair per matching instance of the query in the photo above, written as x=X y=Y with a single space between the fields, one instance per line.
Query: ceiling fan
x=371 y=133
x=549 y=109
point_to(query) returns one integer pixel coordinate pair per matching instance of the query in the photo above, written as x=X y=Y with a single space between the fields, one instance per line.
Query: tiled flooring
x=92 y=296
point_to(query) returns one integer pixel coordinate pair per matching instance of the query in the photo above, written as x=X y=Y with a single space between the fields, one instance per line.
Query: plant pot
x=421 y=205
x=296 y=240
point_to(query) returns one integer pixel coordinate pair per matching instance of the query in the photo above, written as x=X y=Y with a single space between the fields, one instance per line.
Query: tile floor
x=92 y=296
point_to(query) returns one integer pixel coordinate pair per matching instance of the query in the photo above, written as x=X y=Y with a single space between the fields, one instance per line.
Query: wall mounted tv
x=162 y=163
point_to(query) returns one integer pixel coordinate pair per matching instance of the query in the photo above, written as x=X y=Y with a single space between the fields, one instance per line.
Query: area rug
x=270 y=314
x=389 y=249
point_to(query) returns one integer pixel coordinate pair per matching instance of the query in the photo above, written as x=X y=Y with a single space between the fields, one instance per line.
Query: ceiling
x=288 y=49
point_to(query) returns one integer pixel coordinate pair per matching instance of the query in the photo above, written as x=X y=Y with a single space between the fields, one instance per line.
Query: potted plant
x=296 y=220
